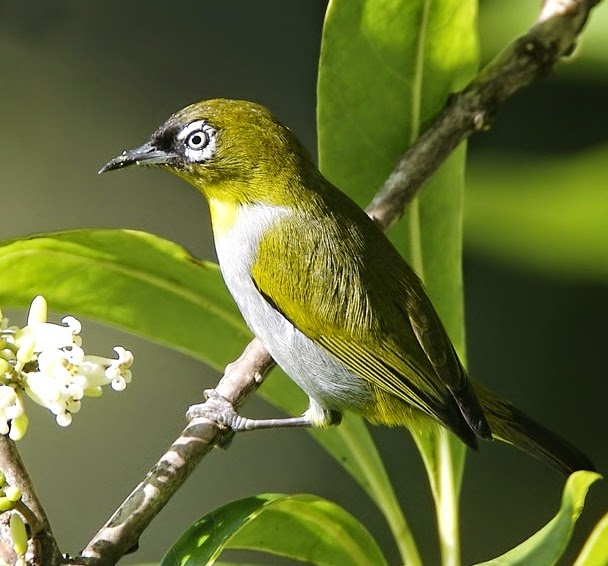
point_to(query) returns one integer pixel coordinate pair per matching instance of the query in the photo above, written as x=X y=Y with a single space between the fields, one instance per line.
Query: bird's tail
x=513 y=426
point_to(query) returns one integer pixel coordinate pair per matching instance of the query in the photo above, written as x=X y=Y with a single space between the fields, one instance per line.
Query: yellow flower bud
x=12 y=493
x=18 y=534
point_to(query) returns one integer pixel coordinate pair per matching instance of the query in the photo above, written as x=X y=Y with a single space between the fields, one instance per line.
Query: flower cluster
x=47 y=363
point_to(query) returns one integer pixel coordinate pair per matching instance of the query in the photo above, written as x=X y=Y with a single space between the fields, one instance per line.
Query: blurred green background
x=81 y=81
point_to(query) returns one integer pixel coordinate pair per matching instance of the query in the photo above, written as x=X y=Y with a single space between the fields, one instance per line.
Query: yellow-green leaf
x=301 y=527
x=133 y=280
x=386 y=69
x=545 y=547
x=595 y=551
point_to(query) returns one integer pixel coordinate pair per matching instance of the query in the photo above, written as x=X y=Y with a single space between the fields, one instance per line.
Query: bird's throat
x=223 y=215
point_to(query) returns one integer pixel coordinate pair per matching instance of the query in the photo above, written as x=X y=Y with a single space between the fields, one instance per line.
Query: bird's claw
x=216 y=408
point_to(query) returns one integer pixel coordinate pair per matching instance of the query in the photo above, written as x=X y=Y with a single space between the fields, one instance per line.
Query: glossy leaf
x=417 y=52
x=595 y=551
x=154 y=288
x=350 y=444
x=301 y=527
x=547 y=214
x=133 y=280
x=386 y=68
x=545 y=547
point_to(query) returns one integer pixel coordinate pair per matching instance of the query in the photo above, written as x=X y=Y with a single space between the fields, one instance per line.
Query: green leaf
x=545 y=547
x=417 y=52
x=547 y=214
x=133 y=280
x=154 y=288
x=350 y=444
x=595 y=551
x=301 y=527
x=414 y=52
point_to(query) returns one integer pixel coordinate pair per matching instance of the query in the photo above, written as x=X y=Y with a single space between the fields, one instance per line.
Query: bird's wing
x=352 y=294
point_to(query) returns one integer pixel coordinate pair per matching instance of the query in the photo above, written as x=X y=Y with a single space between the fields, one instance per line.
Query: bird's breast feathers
x=238 y=230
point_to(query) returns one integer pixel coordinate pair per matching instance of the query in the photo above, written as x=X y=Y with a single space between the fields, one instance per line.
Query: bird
x=323 y=288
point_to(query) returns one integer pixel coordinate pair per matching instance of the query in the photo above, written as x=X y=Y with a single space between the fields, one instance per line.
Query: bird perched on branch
x=324 y=289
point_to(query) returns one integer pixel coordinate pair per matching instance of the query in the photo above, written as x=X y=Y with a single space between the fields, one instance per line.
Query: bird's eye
x=197 y=140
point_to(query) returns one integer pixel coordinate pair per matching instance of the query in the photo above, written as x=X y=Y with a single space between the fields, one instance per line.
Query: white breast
x=328 y=384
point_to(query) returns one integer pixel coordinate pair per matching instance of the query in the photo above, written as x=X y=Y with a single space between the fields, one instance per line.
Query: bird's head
x=228 y=149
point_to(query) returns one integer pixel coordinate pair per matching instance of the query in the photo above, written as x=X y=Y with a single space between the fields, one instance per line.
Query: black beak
x=146 y=154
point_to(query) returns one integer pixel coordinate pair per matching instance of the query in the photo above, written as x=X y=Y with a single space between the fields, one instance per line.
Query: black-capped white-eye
x=199 y=141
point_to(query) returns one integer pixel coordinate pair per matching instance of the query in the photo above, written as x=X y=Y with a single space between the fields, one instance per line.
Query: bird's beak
x=146 y=154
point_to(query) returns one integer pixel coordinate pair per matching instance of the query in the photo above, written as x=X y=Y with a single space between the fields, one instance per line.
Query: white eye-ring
x=199 y=141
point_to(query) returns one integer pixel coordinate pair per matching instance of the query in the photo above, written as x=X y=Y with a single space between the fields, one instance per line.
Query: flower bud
x=13 y=493
x=18 y=534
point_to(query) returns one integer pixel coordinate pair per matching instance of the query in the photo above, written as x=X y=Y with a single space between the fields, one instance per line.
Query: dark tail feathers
x=511 y=425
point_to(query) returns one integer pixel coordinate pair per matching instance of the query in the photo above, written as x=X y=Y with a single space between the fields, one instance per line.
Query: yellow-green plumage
x=324 y=289
x=344 y=286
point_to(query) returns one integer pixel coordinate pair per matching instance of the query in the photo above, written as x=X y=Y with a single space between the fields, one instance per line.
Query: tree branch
x=529 y=57
x=121 y=533
x=43 y=546
x=526 y=59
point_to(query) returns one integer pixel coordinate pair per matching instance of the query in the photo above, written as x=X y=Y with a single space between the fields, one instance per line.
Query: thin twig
x=42 y=541
x=121 y=533
x=527 y=58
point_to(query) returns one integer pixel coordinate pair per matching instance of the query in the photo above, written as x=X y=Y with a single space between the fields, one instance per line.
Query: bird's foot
x=216 y=408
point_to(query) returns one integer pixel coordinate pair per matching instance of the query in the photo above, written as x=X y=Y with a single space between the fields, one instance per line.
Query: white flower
x=39 y=337
x=46 y=361
x=65 y=376
x=103 y=371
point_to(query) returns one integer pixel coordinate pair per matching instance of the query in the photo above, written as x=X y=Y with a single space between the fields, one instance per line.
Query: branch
x=526 y=59
x=44 y=548
x=121 y=533
x=531 y=56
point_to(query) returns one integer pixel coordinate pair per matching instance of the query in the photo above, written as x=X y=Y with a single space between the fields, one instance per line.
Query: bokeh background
x=80 y=81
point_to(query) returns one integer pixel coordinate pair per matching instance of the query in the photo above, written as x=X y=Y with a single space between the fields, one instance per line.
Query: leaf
x=154 y=288
x=417 y=52
x=547 y=214
x=595 y=551
x=133 y=280
x=545 y=547
x=301 y=527
x=413 y=54
x=350 y=444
